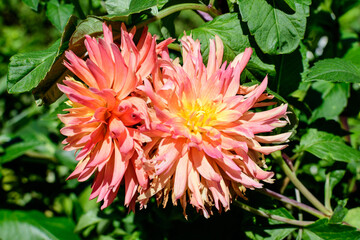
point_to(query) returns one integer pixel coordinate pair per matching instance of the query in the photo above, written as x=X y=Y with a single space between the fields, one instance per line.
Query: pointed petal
x=203 y=165
x=180 y=181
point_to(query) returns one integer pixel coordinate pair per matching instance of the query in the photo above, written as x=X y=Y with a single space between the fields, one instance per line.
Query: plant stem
x=291 y=175
x=179 y=7
x=328 y=192
x=292 y=202
x=275 y=217
x=286 y=181
x=300 y=215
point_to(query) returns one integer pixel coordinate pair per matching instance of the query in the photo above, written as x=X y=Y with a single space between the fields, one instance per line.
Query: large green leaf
x=328 y=146
x=275 y=31
x=18 y=149
x=33 y=4
x=34 y=225
x=334 y=96
x=47 y=90
x=334 y=70
x=26 y=70
x=228 y=28
x=58 y=14
x=127 y=7
x=325 y=230
x=353 y=217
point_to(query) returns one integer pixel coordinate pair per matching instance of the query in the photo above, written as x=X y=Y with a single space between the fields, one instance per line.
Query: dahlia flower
x=106 y=110
x=205 y=135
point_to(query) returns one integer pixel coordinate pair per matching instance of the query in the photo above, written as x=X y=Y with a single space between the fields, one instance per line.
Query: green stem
x=298 y=158
x=179 y=7
x=292 y=202
x=291 y=175
x=272 y=216
x=328 y=192
x=300 y=215
x=34 y=154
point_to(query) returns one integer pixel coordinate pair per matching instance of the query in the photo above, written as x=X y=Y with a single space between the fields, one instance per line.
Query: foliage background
x=309 y=49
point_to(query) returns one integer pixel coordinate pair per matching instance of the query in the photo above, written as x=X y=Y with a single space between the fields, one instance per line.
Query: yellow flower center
x=197 y=115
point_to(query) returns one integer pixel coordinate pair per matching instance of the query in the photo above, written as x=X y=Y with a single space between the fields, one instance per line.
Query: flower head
x=207 y=135
x=102 y=123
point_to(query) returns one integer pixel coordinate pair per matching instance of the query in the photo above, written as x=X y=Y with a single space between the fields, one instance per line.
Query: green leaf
x=339 y=212
x=74 y=35
x=328 y=146
x=87 y=219
x=58 y=14
x=353 y=217
x=17 y=149
x=47 y=90
x=33 y=4
x=90 y=26
x=353 y=55
x=228 y=28
x=308 y=235
x=334 y=70
x=127 y=7
x=55 y=109
x=129 y=224
x=275 y=31
x=84 y=202
x=34 y=225
x=104 y=237
x=332 y=179
x=334 y=95
x=273 y=233
x=326 y=230
x=26 y=70
x=293 y=64
x=335 y=177
x=291 y=4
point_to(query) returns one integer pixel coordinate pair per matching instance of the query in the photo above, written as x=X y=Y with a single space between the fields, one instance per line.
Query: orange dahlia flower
x=207 y=143
x=102 y=124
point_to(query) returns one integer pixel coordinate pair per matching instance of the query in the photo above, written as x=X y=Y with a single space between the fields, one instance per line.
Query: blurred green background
x=36 y=201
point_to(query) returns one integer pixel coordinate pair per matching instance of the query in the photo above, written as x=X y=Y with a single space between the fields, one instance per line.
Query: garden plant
x=166 y=119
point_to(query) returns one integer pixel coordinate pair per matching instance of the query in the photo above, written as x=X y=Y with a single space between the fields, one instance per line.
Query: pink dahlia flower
x=102 y=124
x=207 y=135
